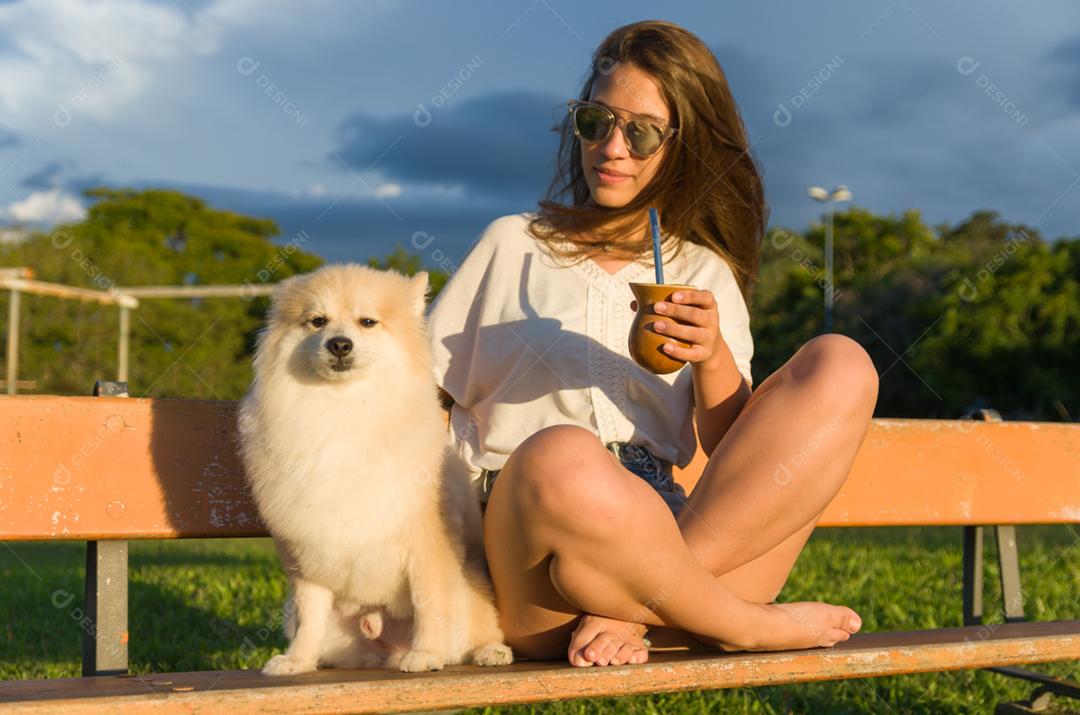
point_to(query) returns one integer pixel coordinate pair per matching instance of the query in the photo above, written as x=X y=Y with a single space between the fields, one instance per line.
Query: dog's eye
x=368 y=322
x=318 y=321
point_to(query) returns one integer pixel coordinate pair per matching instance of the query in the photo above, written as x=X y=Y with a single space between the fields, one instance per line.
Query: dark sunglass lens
x=644 y=138
x=593 y=123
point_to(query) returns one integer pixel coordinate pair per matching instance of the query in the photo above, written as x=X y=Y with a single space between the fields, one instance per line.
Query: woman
x=588 y=539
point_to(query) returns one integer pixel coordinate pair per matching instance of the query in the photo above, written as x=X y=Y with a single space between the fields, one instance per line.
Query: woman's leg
x=569 y=530
x=780 y=463
x=768 y=481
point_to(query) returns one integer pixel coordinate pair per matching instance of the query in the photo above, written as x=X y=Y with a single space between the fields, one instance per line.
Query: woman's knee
x=563 y=471
x=839 y=368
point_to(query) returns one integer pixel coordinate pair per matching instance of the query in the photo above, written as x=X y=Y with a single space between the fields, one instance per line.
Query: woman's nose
x=615 y=146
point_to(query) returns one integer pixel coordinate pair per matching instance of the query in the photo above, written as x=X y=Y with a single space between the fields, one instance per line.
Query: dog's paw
x=285 y=664
x=416 y=661
x=493 y=653
x=371 y=625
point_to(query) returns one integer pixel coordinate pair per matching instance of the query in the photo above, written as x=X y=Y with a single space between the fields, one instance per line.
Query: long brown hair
x=708 y=187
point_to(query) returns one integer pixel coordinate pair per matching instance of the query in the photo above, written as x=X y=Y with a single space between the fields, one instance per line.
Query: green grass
x=216 y=604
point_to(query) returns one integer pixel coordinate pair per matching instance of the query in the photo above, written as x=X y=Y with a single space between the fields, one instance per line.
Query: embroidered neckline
x=637 y=271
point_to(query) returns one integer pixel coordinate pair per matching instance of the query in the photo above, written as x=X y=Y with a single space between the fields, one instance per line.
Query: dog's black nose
x=339 y=346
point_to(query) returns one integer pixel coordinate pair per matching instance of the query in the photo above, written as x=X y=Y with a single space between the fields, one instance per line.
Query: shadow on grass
x=188 y=610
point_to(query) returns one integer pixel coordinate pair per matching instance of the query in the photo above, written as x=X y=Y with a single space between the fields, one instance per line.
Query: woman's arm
x=720 y=391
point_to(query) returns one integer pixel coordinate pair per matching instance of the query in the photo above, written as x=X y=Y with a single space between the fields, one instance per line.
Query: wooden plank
x=95 y=467
x=954 y=472
x=90 y=468
x=370 y=691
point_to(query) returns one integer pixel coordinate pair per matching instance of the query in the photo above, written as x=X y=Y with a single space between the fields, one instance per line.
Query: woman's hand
x=698 y=324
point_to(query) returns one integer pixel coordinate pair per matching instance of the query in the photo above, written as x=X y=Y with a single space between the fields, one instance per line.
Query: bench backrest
x=90 y=468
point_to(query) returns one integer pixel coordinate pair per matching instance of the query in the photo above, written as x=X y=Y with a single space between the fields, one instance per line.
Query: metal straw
x=654 y=219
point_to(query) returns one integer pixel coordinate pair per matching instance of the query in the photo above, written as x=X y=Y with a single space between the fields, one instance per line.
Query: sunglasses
x=594 y=123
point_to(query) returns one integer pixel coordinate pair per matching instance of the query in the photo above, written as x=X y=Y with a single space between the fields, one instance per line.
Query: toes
x=584 y=634
x=609 y=651
x=851 y=621
x=641 y=655
x=578 y=660
x=834 y=636
x=577 y=657
x=854 y=623
x=623 y=655
x=601 y=649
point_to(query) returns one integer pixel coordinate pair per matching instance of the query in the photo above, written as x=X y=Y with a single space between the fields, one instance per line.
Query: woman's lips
x=607 y=177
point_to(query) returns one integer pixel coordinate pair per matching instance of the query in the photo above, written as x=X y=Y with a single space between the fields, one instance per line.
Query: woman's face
x=613 y=173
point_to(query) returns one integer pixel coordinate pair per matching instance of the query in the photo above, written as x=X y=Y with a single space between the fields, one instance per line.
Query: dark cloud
x=498 y=144
x=894 y=94
x=45 y=177
x=439 y=230
x=8 y=138
x=1067 y=55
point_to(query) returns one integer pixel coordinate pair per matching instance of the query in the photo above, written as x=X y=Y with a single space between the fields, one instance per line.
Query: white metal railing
x=20 y=280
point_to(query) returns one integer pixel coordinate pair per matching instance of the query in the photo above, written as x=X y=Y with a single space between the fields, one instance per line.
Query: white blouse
x=522 y=343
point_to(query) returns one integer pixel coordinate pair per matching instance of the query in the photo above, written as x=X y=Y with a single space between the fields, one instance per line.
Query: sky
x=361 y=125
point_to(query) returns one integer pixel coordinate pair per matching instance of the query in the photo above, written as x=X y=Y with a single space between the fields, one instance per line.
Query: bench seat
x=105 y=470
x=370 y=691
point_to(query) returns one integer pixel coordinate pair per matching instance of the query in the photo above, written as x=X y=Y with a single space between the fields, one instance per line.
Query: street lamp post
x=840 y=193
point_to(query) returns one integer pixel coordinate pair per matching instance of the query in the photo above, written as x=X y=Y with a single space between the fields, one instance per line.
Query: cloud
x=319 y=17
x=8 y=138
x=45 y=208
x=496 y=144
x=1067 y=55
x=387 y=191
x=45 y=177
x=65 y=58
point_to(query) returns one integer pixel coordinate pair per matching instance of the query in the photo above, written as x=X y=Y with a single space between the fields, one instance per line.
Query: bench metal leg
x=1009 y=568
x=105 y=636
x=973 y=575
x=1040 y=700
x=1012 y=603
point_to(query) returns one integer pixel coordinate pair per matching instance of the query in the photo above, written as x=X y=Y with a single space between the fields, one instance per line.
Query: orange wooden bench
x=108 y=469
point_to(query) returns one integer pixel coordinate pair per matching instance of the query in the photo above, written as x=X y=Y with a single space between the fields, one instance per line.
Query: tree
x=983 y=314
x=179 y=348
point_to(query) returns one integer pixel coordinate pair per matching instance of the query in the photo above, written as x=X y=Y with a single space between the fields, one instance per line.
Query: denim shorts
x=636 y=458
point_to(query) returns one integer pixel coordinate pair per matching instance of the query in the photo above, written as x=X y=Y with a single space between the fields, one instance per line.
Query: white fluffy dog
x=344 y=442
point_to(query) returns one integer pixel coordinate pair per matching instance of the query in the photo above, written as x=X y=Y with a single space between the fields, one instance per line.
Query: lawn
x=215 y=604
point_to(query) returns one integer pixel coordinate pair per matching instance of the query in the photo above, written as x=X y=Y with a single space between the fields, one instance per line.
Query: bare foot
x=805 y=624
x=598 y=640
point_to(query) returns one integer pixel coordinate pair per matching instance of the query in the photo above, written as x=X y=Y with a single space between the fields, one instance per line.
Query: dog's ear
x=278 y=302
x=418 y=286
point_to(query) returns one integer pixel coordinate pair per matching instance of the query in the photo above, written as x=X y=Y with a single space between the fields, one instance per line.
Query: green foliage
x=179 y=347
x=409 y=263
x=984 y=314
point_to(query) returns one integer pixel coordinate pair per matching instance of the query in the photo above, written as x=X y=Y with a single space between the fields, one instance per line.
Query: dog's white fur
x=376 y=523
